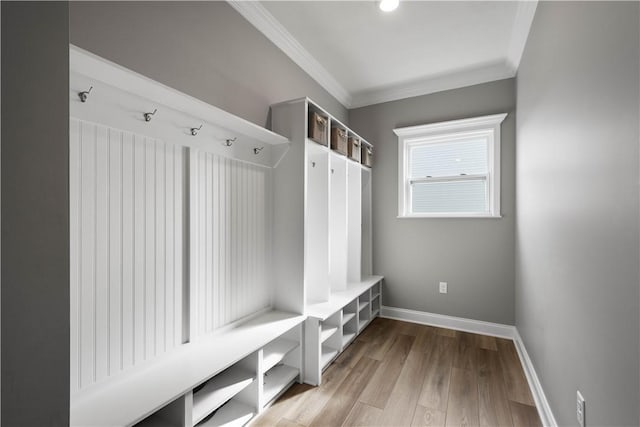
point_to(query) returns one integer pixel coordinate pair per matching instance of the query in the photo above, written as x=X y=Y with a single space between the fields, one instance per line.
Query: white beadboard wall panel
x=126 y=250
x=229 y=239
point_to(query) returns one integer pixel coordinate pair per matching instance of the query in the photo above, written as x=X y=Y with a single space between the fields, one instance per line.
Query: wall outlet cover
x=443 y=287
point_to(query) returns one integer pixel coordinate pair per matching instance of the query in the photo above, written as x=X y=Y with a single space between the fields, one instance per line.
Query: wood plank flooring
x=403 y=374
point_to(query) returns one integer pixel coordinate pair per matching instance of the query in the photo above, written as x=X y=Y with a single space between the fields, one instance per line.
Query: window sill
x=451 y=215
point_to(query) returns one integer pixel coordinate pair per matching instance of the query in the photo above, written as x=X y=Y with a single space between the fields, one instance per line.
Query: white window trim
x=486 y=126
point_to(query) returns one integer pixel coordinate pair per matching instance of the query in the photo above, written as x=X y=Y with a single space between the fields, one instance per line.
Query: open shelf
x=375 y=296
x=347 y=317
x=363 y=305
x=328 y=354
x=362 y=324
x=232 y=414
x=276 y=350
x=218 y=390
x=327 y=332
x=276 y=379
x=347 y=338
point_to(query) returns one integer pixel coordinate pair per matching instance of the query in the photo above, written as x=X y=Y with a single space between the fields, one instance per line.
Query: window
x=450 y=169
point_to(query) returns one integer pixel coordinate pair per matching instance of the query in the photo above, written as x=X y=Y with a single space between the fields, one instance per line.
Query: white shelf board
x=100 y=69
x=339 y=299
x=347 y=338
x=346 y=317
x=220 y=389
x=328 y=354
x=375 y=296
x=233 y=414
x=276 y=379
x=327 y=331
x=363 y=324
x=362 y=305
x=130 y=397
x=276 y=350
x=375 y=313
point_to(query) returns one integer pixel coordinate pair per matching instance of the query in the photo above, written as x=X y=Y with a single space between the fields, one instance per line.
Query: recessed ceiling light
x=388 y=5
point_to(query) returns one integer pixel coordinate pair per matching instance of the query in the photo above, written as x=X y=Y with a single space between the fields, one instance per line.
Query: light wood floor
x=403 y=374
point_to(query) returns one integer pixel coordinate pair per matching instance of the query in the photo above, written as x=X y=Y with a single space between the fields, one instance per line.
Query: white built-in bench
x=267 y=345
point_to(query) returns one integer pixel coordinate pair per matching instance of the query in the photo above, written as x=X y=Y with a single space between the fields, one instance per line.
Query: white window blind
x=449 y=176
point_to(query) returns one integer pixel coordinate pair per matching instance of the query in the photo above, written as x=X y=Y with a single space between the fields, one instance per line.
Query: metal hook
x=229 y=142
x=84 y=95
x=194 y=131
x=313 y=164
x=257 y=150
x=149 y=116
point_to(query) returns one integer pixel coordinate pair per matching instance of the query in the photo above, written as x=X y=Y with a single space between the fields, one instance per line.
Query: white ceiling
x=363 y=56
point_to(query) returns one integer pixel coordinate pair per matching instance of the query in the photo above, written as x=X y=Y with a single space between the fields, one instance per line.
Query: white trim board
x=484 y=328
x=544 y=410
x=449 y=322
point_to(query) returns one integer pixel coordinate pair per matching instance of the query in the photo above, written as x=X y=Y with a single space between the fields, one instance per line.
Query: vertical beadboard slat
x=127 y=255
x=101 y=278
x=74 y=251
x=216 y=247
x=168 y=260
x=149 y=249
x=114 y=227
x=87 y=255
x=126 y=231
x=159 y=262
x=139 y=246
x=179 y=179
x=231 y=235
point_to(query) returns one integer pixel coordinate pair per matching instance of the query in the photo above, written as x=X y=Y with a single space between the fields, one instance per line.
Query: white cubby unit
x=348 y=312
x=176 y=316
x=322 y=229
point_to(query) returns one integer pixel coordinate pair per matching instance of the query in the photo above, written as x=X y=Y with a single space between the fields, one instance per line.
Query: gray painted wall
x=204 y=49
x=35 y=214
x=577 y=275
x=475 y=256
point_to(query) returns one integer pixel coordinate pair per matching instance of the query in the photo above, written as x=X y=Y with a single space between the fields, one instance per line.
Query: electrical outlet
x=580 y=409
x=443 y=287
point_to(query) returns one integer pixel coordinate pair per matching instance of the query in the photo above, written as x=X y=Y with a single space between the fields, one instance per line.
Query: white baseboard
x=544 y=410
x=485 y=328
x=450 y=322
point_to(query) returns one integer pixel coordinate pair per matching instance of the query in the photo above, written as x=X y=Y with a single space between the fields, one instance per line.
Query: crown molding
x=462 y=78
x=520 y=32
x=268 y=25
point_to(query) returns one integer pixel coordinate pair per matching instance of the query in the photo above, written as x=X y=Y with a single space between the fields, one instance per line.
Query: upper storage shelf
x=124 y=99
x=324 y=129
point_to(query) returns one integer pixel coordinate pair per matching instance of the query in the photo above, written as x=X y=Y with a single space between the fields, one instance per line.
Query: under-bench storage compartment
x=228 y=384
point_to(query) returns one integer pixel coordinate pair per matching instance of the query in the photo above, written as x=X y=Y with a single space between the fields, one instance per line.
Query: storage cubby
x=214 y=393
x=281 y=364
x=364 y=310
x=375 y=305
x=339 y=135
x=318 y=125
x=175 y=414
x=233 y=413
x=277 y=380
x=349 y=323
